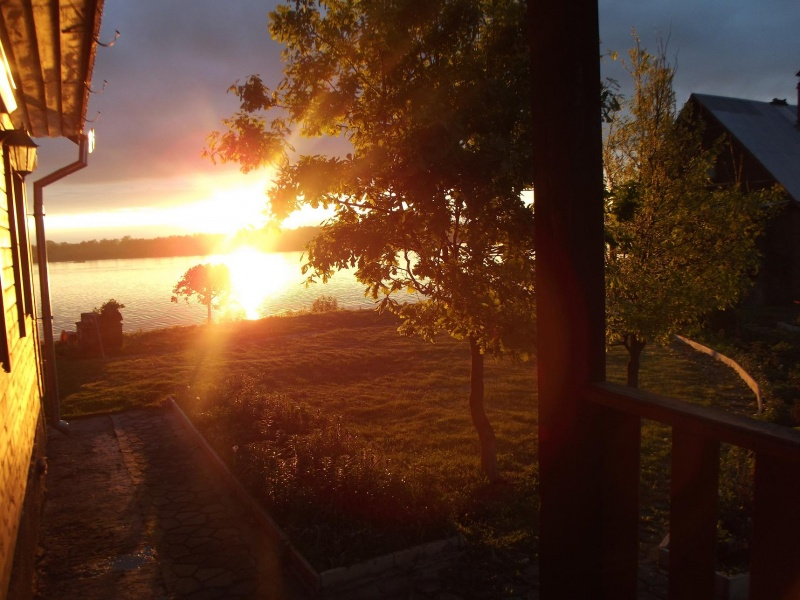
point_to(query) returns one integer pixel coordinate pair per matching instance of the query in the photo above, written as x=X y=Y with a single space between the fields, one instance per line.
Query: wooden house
x=47 y=51
x=763 y=150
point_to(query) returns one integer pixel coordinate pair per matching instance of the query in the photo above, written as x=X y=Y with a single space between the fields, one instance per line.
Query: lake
x=263 y=284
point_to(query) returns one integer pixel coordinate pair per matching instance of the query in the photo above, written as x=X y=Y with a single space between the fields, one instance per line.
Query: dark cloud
x=735 y=48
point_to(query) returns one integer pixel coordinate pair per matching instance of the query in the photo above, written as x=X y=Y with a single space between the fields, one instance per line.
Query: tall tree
x=434 y=100
x=209 y=284
x=678 y=246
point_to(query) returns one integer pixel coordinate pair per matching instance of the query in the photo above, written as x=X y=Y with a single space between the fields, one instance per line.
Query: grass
x=381 y=418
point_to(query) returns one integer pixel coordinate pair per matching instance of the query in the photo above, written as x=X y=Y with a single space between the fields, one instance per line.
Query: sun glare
x=228 y=210
x=255 y=276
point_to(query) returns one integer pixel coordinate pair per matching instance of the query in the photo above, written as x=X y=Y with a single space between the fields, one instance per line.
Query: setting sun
x=256 y=275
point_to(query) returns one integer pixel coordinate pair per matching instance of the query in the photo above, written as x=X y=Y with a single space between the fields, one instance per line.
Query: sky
x=161 y=88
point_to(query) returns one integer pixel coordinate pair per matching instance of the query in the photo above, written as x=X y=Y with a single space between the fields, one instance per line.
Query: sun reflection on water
x=255 y=276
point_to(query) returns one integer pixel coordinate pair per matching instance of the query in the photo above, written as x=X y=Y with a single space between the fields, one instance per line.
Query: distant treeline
x=178 y=245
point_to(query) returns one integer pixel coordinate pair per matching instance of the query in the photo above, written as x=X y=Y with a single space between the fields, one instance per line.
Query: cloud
x=735 y=48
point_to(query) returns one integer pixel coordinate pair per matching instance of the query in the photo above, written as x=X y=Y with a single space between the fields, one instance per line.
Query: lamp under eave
x=21 y=149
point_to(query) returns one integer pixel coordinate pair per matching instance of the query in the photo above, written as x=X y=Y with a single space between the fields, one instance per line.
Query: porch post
x=568 y=197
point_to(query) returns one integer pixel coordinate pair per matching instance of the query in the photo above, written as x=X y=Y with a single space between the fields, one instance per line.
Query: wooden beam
x=775 y=549
x=568 y=204
x=694 y=487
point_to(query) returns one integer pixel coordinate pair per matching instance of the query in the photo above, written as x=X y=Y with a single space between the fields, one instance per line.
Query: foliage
x=325 y=304
x=434 y=100
x=316 y=476
x=678 y=246
x=109 y=307
x=208 y=283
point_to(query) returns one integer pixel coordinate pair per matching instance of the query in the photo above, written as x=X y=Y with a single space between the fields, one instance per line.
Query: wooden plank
x=775 y=548
x=26 y=264
x=694 y=488
x=12 y=199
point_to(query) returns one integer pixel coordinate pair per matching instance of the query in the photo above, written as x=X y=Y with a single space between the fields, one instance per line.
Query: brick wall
x=20 y=409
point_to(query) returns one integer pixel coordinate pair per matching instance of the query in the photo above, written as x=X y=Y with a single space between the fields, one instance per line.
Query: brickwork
x=20 y=407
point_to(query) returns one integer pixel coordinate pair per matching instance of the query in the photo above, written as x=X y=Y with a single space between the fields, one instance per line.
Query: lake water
x=265 y=284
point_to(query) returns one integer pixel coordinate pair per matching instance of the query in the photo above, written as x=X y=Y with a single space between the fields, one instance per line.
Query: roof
x=767 y=130
x=50 y=46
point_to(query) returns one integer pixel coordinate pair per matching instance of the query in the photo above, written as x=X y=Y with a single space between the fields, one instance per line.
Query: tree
x=678 y=246
x=209 y=284
x=434 y=100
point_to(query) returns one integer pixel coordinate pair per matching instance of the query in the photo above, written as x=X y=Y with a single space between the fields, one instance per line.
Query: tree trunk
x=479 y=418
x=209 y=311
x=635 y=348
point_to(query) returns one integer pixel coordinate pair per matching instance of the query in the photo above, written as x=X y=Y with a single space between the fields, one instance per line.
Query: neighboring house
x=47 y=57
x=764 y=151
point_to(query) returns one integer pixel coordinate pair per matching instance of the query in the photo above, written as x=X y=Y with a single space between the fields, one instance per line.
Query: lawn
x=276 y=396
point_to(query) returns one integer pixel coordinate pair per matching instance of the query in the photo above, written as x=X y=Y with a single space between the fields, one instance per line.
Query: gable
x=767 y=131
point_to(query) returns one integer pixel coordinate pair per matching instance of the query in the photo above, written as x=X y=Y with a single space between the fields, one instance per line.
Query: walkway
x=131 y=512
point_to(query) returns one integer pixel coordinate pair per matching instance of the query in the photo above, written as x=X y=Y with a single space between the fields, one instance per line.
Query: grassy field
x=400 y=402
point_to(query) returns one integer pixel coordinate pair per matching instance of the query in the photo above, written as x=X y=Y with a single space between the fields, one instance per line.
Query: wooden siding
x=20 y=402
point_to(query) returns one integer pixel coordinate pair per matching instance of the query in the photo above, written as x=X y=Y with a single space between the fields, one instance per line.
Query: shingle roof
x=768 y=131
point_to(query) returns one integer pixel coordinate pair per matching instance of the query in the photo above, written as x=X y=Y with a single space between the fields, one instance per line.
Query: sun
x=256 y=276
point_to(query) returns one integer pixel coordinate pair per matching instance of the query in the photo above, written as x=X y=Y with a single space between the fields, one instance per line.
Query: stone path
x=134 y=511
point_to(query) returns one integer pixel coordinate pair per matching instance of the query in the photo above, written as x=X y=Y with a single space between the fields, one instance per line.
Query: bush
x=325 y=304
x=109 y=307
x=339 y=499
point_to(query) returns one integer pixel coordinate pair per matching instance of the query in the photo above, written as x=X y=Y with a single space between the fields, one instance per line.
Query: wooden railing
x=697 y=433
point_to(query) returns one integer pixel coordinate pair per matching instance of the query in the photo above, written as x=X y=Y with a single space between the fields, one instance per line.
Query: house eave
x=51 y=48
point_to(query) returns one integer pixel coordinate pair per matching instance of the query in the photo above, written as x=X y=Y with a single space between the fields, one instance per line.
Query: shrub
x=338 y=497
x=325 y=304
x=109 y=307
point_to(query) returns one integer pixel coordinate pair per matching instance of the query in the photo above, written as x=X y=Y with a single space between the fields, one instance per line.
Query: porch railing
x=697 y=433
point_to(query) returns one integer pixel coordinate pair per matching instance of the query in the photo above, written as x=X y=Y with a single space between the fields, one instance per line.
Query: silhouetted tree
x=434 y=99
x=209 y=284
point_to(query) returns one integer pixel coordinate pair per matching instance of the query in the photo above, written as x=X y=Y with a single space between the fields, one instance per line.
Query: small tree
x=678 y=246
x=210 y=284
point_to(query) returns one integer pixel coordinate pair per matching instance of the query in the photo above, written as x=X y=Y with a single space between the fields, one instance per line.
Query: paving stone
x=204 y=574
x=184 y=570
x=222 y=580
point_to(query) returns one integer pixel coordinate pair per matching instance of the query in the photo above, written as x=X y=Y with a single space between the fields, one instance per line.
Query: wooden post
x=694 y=488
x=775 y=554
x=580 y=557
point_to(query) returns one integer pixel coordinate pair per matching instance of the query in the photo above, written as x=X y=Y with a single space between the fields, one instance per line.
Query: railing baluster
x=775 y=550
x=693 y=515
x=620 y=516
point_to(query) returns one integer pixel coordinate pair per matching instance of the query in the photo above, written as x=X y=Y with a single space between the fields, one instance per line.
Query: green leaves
x=678 y=246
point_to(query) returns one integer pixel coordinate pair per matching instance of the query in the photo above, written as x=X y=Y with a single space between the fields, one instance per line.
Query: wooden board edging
x=746 y=377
